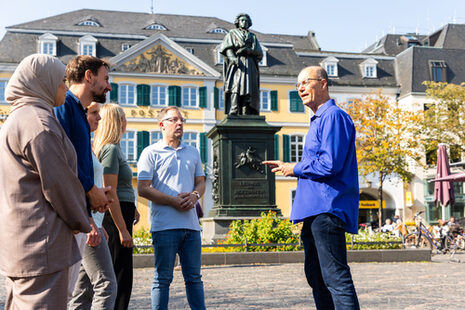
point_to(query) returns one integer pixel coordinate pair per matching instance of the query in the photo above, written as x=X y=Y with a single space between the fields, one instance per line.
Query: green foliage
x=269 y=228
x=142 y=237
x=366 y=236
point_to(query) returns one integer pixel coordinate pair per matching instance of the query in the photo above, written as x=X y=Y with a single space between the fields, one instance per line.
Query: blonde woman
x=123 y=213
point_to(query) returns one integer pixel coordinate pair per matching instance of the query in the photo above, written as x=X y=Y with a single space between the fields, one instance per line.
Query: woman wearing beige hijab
x=42 y=201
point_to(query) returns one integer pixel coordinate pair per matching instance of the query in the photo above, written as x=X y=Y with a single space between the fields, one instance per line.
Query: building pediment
x=160 y=55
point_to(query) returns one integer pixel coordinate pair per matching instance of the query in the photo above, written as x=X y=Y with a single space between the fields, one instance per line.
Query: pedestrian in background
x=123 y=213
x=327 y=195
x=42 y=201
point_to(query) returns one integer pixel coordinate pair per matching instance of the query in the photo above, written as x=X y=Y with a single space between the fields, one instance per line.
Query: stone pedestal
x=241 y=185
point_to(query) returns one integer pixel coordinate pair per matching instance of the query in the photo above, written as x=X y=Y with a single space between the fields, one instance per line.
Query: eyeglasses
x=174 y=120
x=305 y=82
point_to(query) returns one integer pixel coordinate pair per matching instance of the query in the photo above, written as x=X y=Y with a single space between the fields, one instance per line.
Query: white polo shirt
x=172 y=171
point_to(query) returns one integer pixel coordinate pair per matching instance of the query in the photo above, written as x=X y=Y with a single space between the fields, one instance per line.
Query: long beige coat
x=41 y=198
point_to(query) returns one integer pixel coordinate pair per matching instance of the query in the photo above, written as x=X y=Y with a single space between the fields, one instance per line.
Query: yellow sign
x=408 y=199
x=370 y=204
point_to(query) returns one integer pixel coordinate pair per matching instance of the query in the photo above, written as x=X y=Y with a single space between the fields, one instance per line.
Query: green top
x=112 y=159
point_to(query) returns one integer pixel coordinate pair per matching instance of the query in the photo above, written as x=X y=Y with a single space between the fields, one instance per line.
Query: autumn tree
x=444 y=118
x=386 y=139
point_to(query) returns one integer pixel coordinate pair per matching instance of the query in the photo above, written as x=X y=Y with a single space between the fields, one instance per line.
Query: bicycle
x=422 y=238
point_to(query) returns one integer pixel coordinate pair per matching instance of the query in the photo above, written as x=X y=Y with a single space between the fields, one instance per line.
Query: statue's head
x=243 y=16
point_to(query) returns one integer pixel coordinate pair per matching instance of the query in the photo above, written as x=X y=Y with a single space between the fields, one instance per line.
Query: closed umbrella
x=457 y=177
x=443 y=190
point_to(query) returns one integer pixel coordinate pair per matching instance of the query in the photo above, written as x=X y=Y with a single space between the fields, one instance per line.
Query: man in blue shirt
x=89 y=81
x=327 y=194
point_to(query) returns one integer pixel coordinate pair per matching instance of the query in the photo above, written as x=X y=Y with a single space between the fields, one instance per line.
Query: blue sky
x=340 y=25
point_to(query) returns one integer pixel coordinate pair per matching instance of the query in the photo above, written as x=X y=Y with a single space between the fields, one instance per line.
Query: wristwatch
x=196 y=193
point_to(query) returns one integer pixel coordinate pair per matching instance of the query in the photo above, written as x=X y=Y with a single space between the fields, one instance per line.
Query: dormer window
x=155 y=27
x=369 y=68
x=263 y=62
x=125 y=46
x=219 y=57
x=438 y=70
x=48 y=44
x=89 y=22
x=190 y=50
x=330 y=65
x=88 y=45
x=218 y=30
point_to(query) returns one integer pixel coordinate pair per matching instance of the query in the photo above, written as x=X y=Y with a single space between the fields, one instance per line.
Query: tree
x=386 y=139
x=443 y=119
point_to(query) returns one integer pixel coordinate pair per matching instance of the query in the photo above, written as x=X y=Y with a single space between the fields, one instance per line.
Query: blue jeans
x=187 y=244
x=326 y=268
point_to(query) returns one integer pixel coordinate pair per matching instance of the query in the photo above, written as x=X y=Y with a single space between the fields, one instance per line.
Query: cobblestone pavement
x=413 y=286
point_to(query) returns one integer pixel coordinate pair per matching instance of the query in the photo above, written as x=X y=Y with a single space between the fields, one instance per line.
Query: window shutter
x=276 y=147
x=114 y=92
x=286 y=150
x=202 y=97
x=203 y=147
x=143 y=140
x=274 y=100
x=174 y=95
x=295 y=102
x=143 y=95
x=216 y=98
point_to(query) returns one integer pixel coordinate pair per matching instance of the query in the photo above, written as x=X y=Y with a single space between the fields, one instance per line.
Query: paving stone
x=439 y=284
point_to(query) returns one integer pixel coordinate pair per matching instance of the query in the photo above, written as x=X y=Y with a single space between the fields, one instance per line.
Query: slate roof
x=284 y=54
x=393 y=44
x=450 y=36
x=419 y=58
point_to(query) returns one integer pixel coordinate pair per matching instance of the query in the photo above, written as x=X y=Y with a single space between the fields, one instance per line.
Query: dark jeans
x=121 y=256
x=326 y=268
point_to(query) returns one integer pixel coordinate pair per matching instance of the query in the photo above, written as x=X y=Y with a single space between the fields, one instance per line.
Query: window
x=128 y=145
x=190 y=50
x=219 y=57
x=330 y=65
x=155 y=136
x=127 y=94
x=48 y=44
x=263 y=62
x=125 y=46
x=158 y=95
x=89 y=23
x=297 y=147
x=218 y=30
x=2 y=90
x=369 y=68
x=265 y=100
x=88 y=45
x=87 y=49
x=155 y=27
x=221 y=99
x=438 y=70
x=189 y=96
x=369 y=71
x=190 y=138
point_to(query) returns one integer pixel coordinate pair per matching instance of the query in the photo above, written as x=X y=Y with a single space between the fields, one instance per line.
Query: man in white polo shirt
x=171 y=176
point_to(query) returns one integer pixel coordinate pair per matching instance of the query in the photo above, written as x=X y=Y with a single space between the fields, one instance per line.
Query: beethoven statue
x=241 y=53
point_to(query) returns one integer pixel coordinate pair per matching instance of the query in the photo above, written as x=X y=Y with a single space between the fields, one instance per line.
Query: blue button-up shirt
x=327 y=173
x=73 y=119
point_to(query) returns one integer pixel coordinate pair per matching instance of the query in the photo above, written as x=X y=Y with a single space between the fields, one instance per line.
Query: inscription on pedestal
x=250 y=191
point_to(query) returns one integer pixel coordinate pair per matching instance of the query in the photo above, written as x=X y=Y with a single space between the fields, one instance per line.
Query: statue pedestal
x=241 y=185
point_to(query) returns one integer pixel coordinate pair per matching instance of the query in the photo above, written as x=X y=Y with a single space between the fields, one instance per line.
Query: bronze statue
x=241 y=53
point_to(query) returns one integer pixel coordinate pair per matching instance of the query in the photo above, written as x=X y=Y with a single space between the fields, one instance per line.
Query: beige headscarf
x=35 y=80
